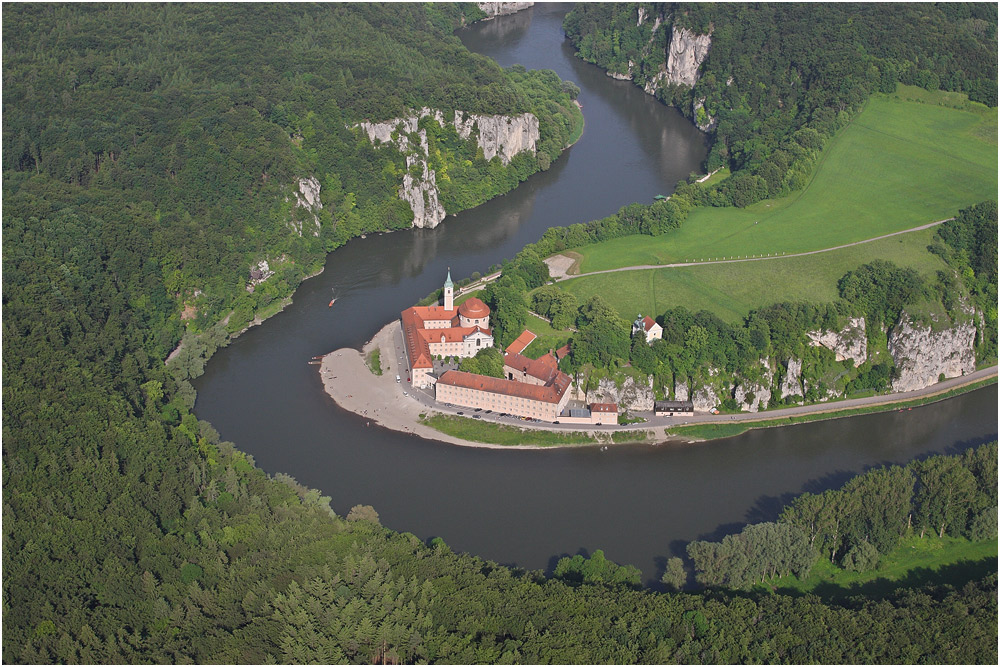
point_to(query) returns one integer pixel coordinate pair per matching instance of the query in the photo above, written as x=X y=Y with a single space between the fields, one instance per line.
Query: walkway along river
x=639 y=504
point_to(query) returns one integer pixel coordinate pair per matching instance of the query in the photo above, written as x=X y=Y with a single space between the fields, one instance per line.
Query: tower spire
x=449 y=292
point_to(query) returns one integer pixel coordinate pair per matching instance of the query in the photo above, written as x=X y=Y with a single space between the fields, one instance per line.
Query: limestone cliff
x=755 y=394
x=505 y=136
x=630 y=396
x=685 y=55
x=704 y=399
x=791 y=383
x=494 y=9
x=849 y=343
x=922 y=355
x=307 y=197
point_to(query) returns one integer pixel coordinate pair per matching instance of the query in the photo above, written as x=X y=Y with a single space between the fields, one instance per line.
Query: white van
x=397 y=378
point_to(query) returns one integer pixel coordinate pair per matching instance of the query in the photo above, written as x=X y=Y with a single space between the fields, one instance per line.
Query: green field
x=898 y=165
x=732 y=290
x=915 y=562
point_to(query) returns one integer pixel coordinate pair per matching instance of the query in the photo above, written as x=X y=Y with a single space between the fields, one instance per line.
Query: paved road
x=753 y=258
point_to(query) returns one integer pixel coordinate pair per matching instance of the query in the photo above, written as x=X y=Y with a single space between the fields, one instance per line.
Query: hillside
x=152 y=156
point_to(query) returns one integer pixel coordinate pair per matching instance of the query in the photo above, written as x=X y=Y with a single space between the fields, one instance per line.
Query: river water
x=640 y=504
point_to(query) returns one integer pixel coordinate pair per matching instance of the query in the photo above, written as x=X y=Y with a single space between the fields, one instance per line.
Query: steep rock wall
x=791 y=383
x=631 y=396
x=849 y=343
x=754 y=395
x=505 y=136
x=922 y=355
x=686 y=53
x=494 y=9
x=307 y=197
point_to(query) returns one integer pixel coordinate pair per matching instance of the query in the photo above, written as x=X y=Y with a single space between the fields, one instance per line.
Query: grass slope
x=901 y=163
x=733 y=290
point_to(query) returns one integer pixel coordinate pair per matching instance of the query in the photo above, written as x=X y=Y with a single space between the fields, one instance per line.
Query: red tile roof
x=474 y=308
x=521 y=342
x=648 y=323
x=562 y=352
x=434 y=313
x=604 y=407
x=416 y=345
x=549 y=360
x=551 y=393
x=533 y=367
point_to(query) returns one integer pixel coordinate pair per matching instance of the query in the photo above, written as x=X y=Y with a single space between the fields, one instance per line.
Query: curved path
x=754 y=258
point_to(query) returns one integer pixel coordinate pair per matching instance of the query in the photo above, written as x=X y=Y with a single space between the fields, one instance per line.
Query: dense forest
x=148 y=150
x=780 y=78
x=192 y=124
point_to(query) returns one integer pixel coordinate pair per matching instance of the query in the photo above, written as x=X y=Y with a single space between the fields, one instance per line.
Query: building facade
x=444 y=331
x=521 y=399
x=649 y=327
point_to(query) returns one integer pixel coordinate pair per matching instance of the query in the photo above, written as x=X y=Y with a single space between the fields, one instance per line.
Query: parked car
x=476 y=416
x=461 y=413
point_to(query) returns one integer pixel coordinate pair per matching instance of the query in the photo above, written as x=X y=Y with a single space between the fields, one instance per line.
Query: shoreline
x=381 y=401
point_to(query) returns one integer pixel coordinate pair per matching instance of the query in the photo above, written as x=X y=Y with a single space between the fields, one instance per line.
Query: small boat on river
x=332 y=301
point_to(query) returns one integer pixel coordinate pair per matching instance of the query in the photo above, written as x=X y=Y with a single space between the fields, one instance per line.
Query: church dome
x=474 y=309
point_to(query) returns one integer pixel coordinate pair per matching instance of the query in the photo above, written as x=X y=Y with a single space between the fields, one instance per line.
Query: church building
x=444 y=331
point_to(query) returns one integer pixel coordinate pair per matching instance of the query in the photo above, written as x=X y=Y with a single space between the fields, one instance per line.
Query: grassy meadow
x=732 y=290
x=908 y=159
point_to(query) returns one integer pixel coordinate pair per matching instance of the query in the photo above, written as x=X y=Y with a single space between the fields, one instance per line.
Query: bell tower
x=449 y=292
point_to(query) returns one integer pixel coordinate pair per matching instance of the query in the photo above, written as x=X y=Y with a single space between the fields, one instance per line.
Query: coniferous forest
x=148 y=153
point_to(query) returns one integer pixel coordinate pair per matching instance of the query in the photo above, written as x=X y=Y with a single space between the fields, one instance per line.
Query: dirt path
x=752 y=258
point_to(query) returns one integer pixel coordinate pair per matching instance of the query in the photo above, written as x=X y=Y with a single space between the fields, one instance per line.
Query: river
x=640 y=504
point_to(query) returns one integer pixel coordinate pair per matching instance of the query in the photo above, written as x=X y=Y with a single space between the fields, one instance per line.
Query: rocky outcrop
x=704 y=399
x=307 y=197
x=922 y=355
x=684 y=56
x=791 y=383
x=631 y=396
x=707 y=122
x=849 y=343
x=494 y=9
x=505 y=136
x=753 y=395
x=681 y=391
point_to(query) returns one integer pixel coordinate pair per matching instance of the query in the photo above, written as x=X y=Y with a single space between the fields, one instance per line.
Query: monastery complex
x=531 y=388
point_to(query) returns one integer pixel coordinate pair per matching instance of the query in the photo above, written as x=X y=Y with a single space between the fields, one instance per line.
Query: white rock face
x=791 y=384
x=850 y=343
x=704 y=399
x=681 y=392
x=685 y=55
x=632 y=396
x=497 y=135
x=307 y=197
x=494 y=9
x=505 y=136
x=752 y=395
x=922 y=354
